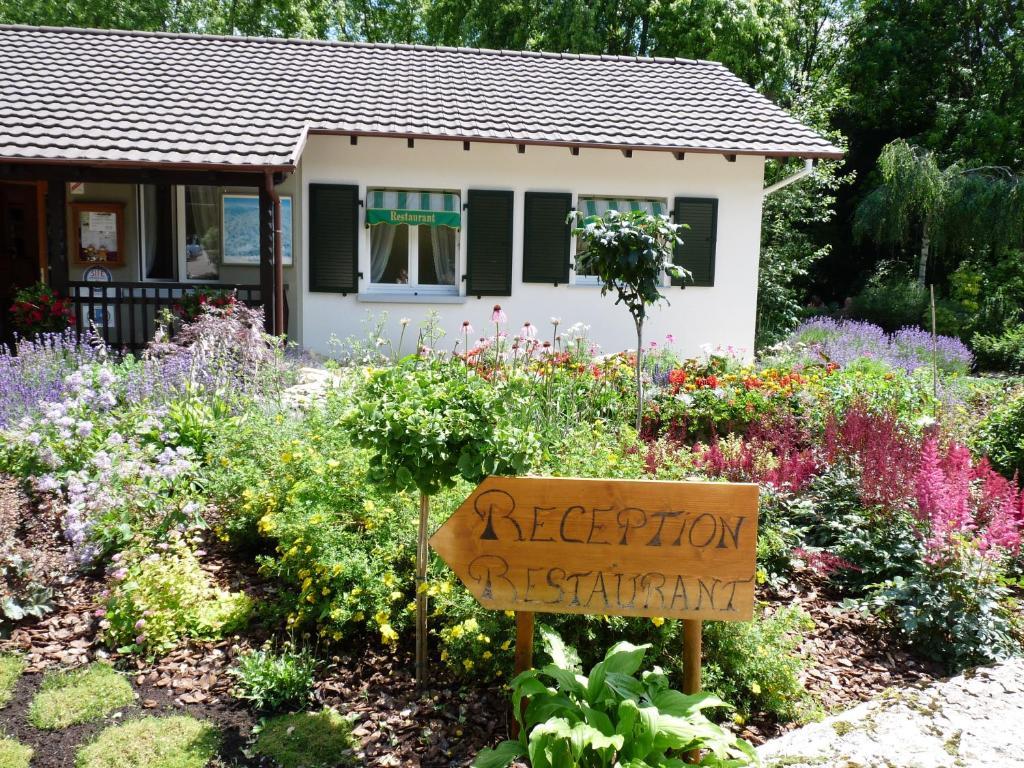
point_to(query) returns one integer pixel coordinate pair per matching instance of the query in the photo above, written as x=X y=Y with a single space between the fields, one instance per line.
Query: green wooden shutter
x=333 y=238
x=697 y=253
x=546 y=237
x=489 y=242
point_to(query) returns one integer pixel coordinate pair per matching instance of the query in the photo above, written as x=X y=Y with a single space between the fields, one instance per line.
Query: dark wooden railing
x=126 y=314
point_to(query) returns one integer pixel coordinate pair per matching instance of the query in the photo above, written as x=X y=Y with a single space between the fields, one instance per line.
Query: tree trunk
x=922 y=267
x=639 y=375
x=421 y=591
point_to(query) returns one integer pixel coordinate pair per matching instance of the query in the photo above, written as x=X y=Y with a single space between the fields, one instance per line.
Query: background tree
x=629 y=253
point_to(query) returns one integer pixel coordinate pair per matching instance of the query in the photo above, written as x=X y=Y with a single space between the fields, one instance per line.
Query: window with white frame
x=414 y=240
x=597 y=206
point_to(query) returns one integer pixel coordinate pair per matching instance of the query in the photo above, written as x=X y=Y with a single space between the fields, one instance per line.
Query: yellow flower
x=444 y=655
x=487 y=654
x=356 y=591
x=286 y=457
x=468 y=664
x=510 y=614
x=389 y=580
x=358 y=616
x=657 y=621
x=333 y=463
x=738 y=719
x=755 y=688
x=411 y=607
x=457 y=631
x=396 y=595
x=388 y=634
x=470 y=625
x=381 y=617
x=369 y=506
x=506 y=645
x=325 y=591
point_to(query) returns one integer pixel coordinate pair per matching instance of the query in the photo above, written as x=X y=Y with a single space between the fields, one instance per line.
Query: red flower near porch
x=39 y=309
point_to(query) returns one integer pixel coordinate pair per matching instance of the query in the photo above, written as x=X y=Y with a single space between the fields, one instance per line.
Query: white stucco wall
x=722 y=315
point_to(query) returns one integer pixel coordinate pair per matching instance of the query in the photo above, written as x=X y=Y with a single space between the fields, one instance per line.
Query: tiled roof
x=141 y=98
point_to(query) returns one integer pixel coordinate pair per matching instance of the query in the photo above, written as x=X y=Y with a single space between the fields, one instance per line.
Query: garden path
x=974 y=719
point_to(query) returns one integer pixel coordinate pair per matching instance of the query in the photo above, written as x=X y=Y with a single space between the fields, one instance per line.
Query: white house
x=330 y=180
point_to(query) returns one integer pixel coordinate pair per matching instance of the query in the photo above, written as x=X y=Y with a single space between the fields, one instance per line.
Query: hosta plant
x=615 y=717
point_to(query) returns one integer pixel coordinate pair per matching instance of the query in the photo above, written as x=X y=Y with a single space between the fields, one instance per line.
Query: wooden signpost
x=682 y=550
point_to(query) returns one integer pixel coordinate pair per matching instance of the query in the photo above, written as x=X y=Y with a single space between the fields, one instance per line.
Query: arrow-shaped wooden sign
x=629 y=547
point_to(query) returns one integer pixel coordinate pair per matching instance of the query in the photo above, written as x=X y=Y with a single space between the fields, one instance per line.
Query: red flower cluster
x=195 y=303
x=40 y=309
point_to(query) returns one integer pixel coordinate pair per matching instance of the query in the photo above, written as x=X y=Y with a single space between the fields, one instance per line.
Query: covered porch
x=125 y=244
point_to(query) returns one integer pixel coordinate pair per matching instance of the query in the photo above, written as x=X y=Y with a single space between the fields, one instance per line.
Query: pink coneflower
x=528 y=331
x=653 y=344
x=670 y=339
x=498 y=315
x=466 y=327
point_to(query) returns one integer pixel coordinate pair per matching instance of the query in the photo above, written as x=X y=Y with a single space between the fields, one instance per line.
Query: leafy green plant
x=274 y=680
x=428 y=423
x=958 y=610
x=629 y=253
x=756 y=664
x=156 y=599
x=79 y=696
x=615 y=716
x=1004 y=352
x=1000 y=436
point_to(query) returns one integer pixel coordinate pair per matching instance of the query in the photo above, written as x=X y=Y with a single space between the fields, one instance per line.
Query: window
x=199 y=228
x=156 y=232
x=414 y=240
x=598 y=206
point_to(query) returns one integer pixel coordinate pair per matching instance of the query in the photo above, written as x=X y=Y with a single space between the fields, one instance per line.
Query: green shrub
x=756 y=666
x=11 y=667
x=958 y=611
x=1000 y=436
x=159 y=598
x=177 y=741
x=272 y=680
x=307 y=740
x=891 y=303
x=1000 y=353
x=79 y=696
x=14 y=754
x=616 y=715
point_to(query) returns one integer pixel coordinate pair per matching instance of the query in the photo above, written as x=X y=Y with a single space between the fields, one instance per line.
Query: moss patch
x=152 y=742
x=13 y=754
x=80 y=696
x=307 y=740
x=11 y=668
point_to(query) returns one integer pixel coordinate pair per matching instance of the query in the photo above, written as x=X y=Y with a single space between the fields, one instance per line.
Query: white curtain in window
x=382 y=237
x=443 y=239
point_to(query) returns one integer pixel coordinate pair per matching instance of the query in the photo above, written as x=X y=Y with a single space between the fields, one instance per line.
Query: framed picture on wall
x=97 y=234
x=241 y=227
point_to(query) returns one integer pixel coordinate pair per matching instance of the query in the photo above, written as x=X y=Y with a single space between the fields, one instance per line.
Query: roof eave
x=831 y=153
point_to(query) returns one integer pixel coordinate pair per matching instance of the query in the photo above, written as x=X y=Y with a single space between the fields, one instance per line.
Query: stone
x=975 y=719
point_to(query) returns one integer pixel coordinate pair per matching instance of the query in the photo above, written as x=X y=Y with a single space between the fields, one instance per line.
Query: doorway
x=20 y=245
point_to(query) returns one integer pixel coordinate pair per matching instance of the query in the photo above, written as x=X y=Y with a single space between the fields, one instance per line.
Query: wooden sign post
x=683 y=550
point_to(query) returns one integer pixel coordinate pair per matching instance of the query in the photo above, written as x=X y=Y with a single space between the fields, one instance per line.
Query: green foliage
x=11 y=667
x=79 y=696
x=1000 y=436
x=157 y=599
x=1003 y=352
x=432 y=422
x=176 y=741
x=14 y=754
x=307 y=740
x=616 y=715
x=274 y=680
x=955 y=611
x=756 y=666
x=892 y=301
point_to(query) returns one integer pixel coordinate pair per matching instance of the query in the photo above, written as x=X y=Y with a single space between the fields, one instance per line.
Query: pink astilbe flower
x=957 y=500
x=824 y=563
x=881 y=449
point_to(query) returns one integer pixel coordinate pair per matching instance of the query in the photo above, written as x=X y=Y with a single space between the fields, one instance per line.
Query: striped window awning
x=598 y=206
x=429 y=209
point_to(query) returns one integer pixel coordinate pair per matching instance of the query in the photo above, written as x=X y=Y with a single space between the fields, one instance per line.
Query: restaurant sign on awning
x=428 y=209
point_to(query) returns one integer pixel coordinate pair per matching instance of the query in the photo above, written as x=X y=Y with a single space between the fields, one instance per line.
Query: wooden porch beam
x=267 y=270
x=99 y=175
x=56 y=236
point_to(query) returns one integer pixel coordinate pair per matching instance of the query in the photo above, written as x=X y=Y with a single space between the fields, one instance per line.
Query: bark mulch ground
x=851 y=659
